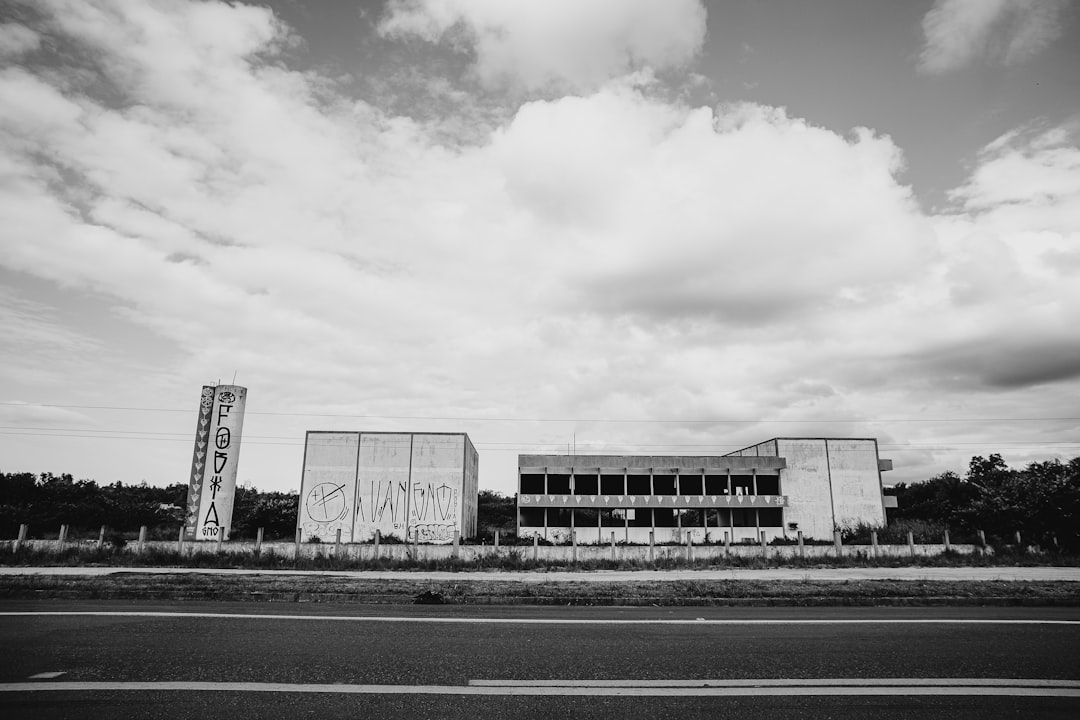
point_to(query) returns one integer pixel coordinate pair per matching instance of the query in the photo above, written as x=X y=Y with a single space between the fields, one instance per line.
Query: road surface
x=140 y=660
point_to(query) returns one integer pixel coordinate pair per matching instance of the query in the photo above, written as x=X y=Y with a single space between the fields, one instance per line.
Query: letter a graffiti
x=211 y=511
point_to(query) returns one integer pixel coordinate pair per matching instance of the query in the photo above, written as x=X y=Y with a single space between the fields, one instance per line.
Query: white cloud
x=1006 y=32
x=16 y=39
x=534 y=45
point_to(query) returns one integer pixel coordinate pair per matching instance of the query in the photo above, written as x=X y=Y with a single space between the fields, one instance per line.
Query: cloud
x=1000 y=32
x=16 y=39
x=536 y=45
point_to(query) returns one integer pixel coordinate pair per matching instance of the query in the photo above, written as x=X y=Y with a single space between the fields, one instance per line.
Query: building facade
x=412 y=486
x=778 y=487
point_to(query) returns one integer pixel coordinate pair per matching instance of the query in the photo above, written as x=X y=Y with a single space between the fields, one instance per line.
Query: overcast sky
x=644 y=226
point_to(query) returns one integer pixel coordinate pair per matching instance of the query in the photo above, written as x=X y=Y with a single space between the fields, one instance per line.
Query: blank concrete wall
x=806 y=484
x=856 y=482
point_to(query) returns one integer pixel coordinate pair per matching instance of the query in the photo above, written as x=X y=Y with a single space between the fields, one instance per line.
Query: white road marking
x=542 y=621
x=789 y=682
x=759 y=690
x=47 y=675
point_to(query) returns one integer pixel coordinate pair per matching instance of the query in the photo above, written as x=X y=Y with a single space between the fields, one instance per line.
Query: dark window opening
x=664 y=484
x=586 y=518
x=532 y=484
x=586 y=485
x=743 y=518
x=768 y=484
x=742 y=485
x=640 y=517
x=638 y=485
x=716 y=484
x=690 y=485
x=558 y=517
x=771 y=517
x=558 y=484
x=611 y=518
x=532 y=517
x=690 y=518
x=664 y=517
x=612 y=485
x=718 y=518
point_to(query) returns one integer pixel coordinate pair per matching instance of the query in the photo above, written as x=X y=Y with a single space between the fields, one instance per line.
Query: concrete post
x=296 y=546
x=457 y=545
x=496 y=540
x=378 y=537
x=23 y=529
x=911 y=543
x=764 y=545
x=573 y=542
x=982 y=539
x=948 y=545
x=652 y=546
x=220 y=539
x=802 y=548
x=1018 y=540
x=536 y=548
x=258 y=542
x=689 y=546
x=142 y=539
x=62 y=538
x=727 y=544
x=873 y=542
x=180 y=541
x=612 y=547
x=337 y=543
x=101 y=538
x=838 y=545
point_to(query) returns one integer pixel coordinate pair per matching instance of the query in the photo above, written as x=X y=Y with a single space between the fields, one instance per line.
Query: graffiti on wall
x=212 y=487
x=327 y=508
x=434 y=516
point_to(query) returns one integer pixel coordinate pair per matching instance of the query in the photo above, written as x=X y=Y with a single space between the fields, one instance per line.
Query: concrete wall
x=856 y=482
x=640 y=535
x=399 y=484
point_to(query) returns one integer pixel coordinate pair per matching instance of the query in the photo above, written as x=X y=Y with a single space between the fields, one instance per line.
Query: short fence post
x=180 y=541
x=337 y=543
x=101 y=538
x=911 y=543
x=573 y=541
x=220 y=539
x=62 y=538
x=258 y=541
x=378 y=537
x=873 y=542
x=802 y=548
x=536 y=548
x=613 y=547
x=296 y=546
x=948 y=545
x=764 y=545
x=457 y=544
x=652 y=547
x=689 y=546
x=496 y=540
x=838 y=545
x=1018 y=540
x=727 y=544
x=142 y=539
x=23 y=529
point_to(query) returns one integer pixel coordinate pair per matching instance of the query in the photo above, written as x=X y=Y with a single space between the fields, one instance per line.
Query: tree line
x=1041 y=501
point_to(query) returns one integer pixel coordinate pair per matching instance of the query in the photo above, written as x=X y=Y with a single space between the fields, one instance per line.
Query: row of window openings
x=533 y=484
x=651 y=517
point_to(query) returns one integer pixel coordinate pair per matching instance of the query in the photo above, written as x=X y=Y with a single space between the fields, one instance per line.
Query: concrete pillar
x=689 y=546
x=496 y=539
x=337 y=543
x=258 y=541
x=536 y=548
x=652 y=546
x=764 y=545
x=948 y=545
x=62 y=537
x=727 y=539
x=296 y=545
x=837 y=544
x=802 y=548
x=220 y=538
x=101 y=538
x=873 y=542
x=23 y=529
x=911 y=543
x=455 y=553
x=378 y=537
x=573 y=543
x=142 y=539
x=612 y=547
x=180 y=541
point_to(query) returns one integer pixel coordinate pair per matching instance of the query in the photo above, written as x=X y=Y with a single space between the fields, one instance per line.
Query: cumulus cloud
x=565 y=43
x=1005 y=32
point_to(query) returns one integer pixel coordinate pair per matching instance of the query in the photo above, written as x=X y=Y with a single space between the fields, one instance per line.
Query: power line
x=711 y=421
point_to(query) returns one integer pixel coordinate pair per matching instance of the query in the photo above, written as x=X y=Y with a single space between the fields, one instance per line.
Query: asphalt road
x=140 y=660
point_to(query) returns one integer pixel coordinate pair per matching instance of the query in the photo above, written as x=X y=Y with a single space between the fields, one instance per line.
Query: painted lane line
x=1015 y=691
x=47 y=675
x=536 y=621
x=788 y=682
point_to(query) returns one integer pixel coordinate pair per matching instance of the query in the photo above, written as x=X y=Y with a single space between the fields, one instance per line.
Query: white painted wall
x=328 y=487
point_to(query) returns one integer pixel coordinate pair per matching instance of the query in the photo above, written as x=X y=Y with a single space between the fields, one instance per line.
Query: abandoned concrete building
x=779 y=487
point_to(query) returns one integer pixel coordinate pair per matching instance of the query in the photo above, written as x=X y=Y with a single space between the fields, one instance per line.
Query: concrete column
x=764 y=545
x=62 y=537
x=837 y=544
x=378 y=537
x=220 y=538
x=536 y=548
x=180 y=541
x=23 y=529
x=612 y=547
x=802 y=548
x=911 y=543
x=727 y=543
x=948 y=545
x=101 y=538
x=873 y=542
x=455 y=553
x=142 y=539
x=296 y=545
x=573 y=543
x=496 y=539
x=689 y=546
x=258 y=541
x=652 y=546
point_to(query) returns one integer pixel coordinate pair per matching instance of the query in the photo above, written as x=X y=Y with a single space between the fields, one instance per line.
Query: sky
x=591 y=226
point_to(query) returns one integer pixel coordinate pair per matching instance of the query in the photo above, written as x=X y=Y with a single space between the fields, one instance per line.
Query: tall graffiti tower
x=212 y=484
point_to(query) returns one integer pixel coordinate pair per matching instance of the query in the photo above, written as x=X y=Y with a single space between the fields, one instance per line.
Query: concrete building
x=777 y=487
x=413 y=486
